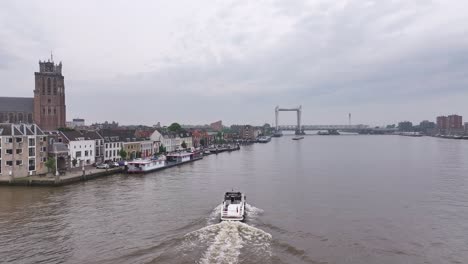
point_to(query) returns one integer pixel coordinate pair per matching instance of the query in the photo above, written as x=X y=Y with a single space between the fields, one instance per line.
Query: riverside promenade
x=76 y=175
x=69 y=177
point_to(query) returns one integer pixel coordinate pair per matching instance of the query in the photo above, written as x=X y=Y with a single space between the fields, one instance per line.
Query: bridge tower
x=298 y=110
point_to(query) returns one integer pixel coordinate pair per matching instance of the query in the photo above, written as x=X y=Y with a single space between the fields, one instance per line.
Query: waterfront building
x=47 y=108
x=455 y=122
x=116 y=140
x=149 y=148
x=172 y=141
x=98 y=143
x=132 y=148
x=23 y=150
x=466 y=127
x=452 y=124
x=217 y=126
x=249 y=132
x=81 y=147
x=112 y=148
x=75 y=123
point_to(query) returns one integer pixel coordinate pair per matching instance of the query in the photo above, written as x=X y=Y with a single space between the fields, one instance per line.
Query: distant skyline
x=196 y=62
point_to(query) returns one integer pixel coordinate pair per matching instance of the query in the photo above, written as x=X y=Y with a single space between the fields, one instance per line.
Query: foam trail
x=222 y=242
x=226 y=245
x=252 y=211
x=214 y=216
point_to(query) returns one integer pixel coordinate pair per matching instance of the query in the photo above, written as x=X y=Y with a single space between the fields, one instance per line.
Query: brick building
x=47 y=107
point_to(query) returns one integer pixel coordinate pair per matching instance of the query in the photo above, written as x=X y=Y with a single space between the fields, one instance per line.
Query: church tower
x=49 y=96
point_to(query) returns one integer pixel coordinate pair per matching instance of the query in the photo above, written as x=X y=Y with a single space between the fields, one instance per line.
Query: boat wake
x=229 y=242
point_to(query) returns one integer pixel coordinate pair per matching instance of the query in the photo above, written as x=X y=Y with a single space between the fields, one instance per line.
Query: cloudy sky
x=201 y=61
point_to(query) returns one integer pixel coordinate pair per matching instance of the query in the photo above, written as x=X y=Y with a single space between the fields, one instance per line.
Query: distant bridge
x=363 y=129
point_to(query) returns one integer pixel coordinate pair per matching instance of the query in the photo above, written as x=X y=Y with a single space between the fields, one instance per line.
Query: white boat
x=264 y=139
x=146 y=165
x=411 y=134
x=233 y=208
x=179 y=157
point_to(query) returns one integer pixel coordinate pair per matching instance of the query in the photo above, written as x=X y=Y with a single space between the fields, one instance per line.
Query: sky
x=196 y=62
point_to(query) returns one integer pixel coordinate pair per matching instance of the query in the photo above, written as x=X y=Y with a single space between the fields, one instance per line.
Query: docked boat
x=264 y=139
x=411 y=134
x=297 y=138
x=180 y=157
x=146 y=165
x=233 y=208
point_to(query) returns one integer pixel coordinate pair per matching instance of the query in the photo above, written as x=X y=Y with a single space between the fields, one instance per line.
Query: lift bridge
x=299 y=128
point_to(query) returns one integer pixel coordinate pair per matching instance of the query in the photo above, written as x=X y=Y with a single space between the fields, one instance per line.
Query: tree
x=202 y=142
x=162 y=149
x=183 y=145
x=123 y=153
x=74 y=162
x=175 y=127
x=50 y=164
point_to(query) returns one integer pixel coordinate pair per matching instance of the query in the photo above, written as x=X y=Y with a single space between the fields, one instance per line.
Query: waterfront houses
x=112 y=147
x=132 y=148
x=23 y=150
x=81 y=147
x=172 y=141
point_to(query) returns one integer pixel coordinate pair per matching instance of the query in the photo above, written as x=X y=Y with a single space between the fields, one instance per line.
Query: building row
x=452 y=124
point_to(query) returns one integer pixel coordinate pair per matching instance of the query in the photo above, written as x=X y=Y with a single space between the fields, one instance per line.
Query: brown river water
x=324 y=199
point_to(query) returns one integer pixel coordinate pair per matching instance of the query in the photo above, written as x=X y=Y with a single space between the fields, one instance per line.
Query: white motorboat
x=233 y=208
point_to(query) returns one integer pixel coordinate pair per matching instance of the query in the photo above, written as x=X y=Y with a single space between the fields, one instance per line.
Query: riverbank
x=76 y=176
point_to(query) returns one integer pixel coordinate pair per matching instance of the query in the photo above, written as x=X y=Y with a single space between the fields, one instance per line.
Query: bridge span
x=362 y=129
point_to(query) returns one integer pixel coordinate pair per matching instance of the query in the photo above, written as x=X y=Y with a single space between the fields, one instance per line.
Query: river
x=324 y=199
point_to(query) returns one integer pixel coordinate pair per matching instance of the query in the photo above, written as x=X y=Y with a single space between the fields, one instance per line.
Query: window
x=32 y=141
x=19 y=151
x=32 y=152
x=32 y=164
x=86 y=153
x=107 y=145
x=9 y=163
x=48 y=111
x=48 y=86
x=19 y=163
x=44 y=149
x=90 y=152
x=55 y=111
x=9 y=151
x=43 y=110
x=19 y=140
x=44 y=159
x=107 y=153
x=55 y=87
x=113 y=152
x=78 y=154
x=9 y=140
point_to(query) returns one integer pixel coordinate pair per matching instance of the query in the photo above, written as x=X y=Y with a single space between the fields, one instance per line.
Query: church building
x=47 y=108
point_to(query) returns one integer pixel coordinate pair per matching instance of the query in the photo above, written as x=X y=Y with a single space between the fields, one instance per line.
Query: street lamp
x=56 y=165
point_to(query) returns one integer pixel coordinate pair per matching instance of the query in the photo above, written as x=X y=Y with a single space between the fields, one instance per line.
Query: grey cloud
x=237 y=62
